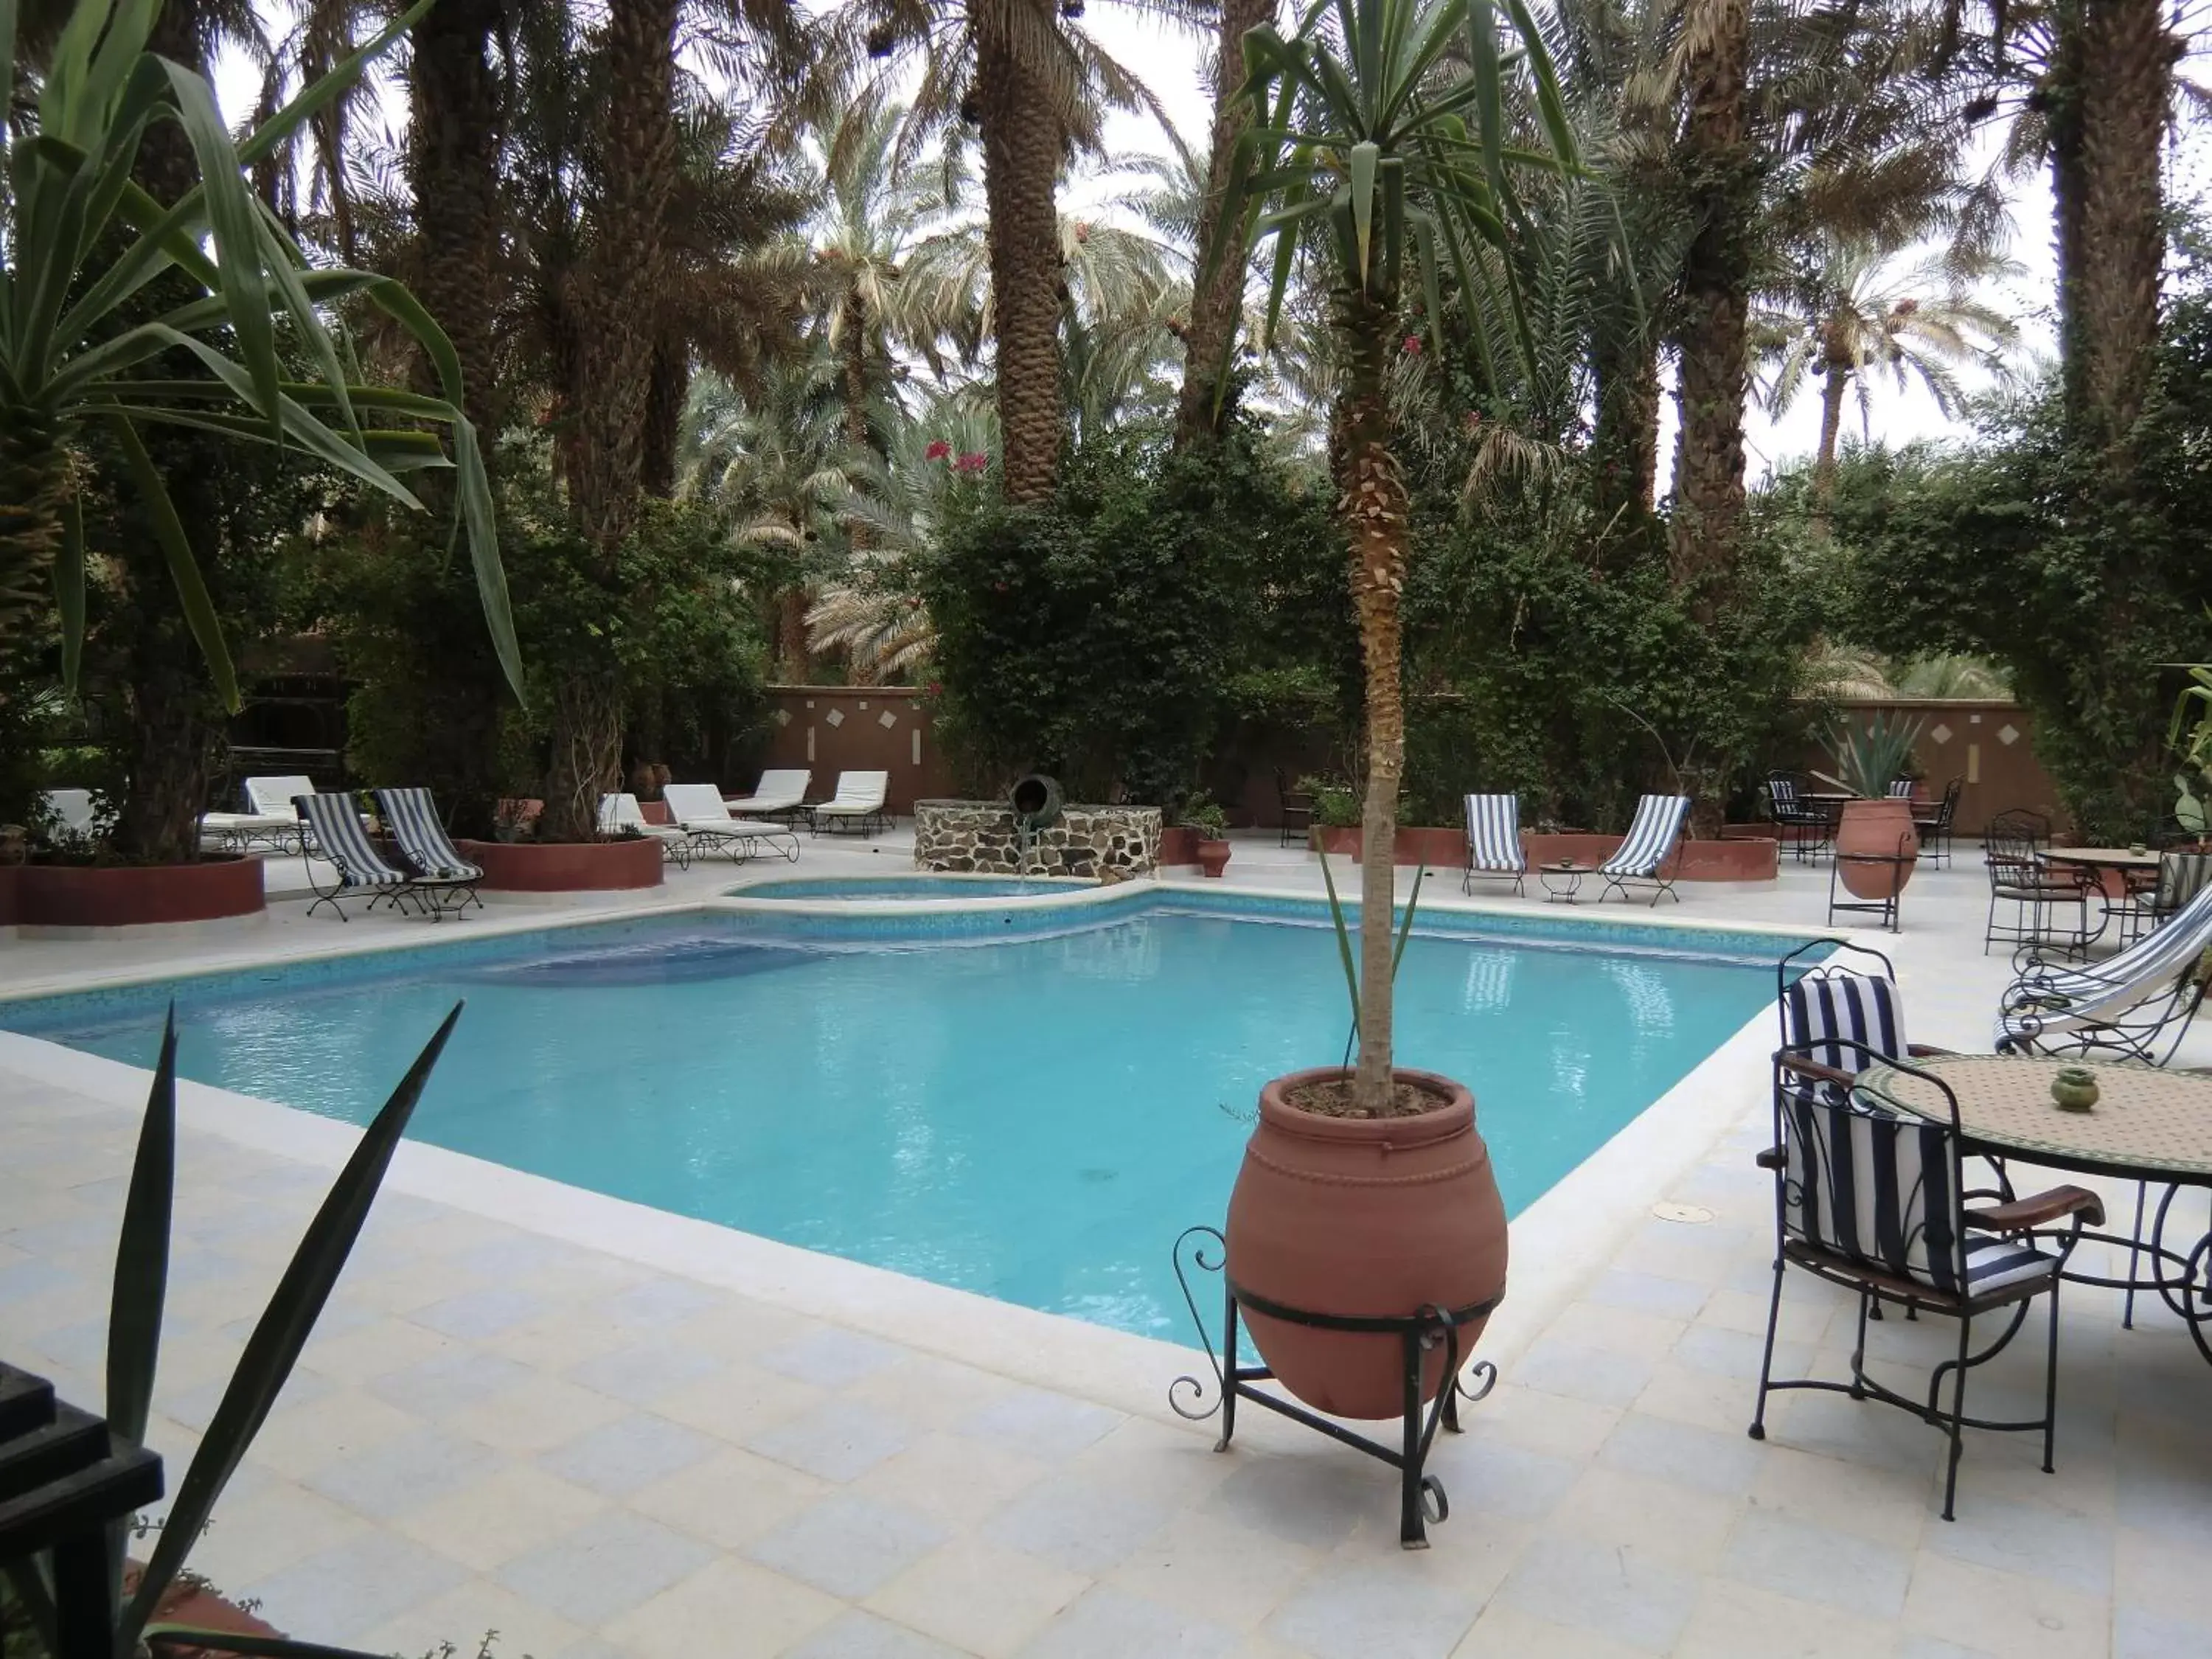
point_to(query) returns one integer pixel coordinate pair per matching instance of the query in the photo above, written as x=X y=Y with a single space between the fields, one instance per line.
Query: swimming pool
x=1033 y=1114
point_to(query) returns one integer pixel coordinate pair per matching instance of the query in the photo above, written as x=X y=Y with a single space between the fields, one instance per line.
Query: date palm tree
x=1034 y=84
x=74 y=352
x=1857 y=315
x=1361 y=131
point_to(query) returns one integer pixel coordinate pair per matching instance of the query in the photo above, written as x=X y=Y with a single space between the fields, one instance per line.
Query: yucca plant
x=133 y=1345
x=2189 y=737
x=1869 y=758
x=80 y=242
x=1360 y=130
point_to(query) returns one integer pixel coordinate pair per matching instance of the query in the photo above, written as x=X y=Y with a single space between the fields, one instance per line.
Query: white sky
x=1171 y=63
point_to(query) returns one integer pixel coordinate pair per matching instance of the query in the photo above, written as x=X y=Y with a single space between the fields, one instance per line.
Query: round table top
x=2111 y=858
x=2146 y=1120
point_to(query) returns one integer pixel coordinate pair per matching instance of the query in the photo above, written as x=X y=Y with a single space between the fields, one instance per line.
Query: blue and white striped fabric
x=1650 y=837
x=1900 y=789
x=2050 y=1001
x=1830 y=1007
x=1493 y=834
x=336 y=824
x=1882 y=1190
x=412 y=818
x=1783 y=792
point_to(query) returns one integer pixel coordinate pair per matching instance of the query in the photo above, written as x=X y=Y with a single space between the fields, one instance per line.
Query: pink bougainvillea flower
x=972 y=462
x=939 y=450
x=1413 y=345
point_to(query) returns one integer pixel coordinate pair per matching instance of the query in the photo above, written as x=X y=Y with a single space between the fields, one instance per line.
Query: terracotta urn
x=1212 y=856
x=1364 y=1217
x=1876 y=830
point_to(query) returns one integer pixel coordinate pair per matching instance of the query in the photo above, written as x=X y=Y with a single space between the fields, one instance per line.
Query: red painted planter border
x=578 y=866
x=131 y=896
x=8 y=877
x=1730 y=860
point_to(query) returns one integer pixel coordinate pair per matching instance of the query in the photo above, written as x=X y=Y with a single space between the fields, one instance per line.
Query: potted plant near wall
x=1336 y=811
x=1211 y=824
x=1366 y=1192
x=1876 y=842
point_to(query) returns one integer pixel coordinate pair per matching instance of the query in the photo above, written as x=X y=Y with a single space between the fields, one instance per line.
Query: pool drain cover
x=1695 y=1215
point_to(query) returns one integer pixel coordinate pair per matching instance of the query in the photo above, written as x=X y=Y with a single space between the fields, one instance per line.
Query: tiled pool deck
x=601 y=1431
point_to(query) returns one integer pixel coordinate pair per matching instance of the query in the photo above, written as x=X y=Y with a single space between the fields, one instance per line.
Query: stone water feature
x=982 y=837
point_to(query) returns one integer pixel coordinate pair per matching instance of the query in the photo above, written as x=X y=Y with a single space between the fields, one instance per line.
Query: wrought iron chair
x=1493 y=841
x=1936 y=824
x=1297 y=807
x=2035 y=892
x=2153 y=902
x=1809 y=828
x=1873 y=1199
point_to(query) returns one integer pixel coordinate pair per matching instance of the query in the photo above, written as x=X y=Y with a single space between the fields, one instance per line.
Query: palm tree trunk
x=618 y=332
x=1216 y=300
x=1625 y=445
x=2114 y=76
x=453 y=167
x=1022 y=142
x=1715 y=306
x=1836 y=387
x=1376 y=510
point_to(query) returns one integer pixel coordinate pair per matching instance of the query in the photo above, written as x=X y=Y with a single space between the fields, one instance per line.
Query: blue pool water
x=1035 y=1118
x=907 y=887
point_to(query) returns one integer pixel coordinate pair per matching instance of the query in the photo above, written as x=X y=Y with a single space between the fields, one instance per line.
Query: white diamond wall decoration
x=2007 y=735
x=887 y=720
x=783 y=717
x=1942 y=734
x=835 y=717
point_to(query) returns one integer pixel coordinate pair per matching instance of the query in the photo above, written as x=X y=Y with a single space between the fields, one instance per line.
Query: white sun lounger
x=698 y=810
x=269 y=819
x=860 y=799
x=621 y=814
x=775 y=793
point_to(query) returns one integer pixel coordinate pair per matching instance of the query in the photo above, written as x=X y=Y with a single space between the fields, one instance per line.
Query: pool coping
x=261 y=950
x=1558 y=1243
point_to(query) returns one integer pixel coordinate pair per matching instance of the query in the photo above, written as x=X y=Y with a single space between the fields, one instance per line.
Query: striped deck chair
x=1649 y=844
x=445 y=882
x=340 y=842
x=1842 y=1007
x=2137 y=1003
x=1872 y=1198
x=1493 y=841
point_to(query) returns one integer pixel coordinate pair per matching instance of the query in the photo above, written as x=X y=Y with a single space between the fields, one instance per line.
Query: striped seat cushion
x=1993 y=1263
x=412 y=818
x=1830 y=1003
x=1650 y=837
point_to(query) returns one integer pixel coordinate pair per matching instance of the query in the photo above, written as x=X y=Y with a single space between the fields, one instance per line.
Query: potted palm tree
x=1876 y=840
x=1366 y=1192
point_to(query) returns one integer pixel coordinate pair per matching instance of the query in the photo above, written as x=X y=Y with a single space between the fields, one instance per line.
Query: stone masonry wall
x=1087 y=841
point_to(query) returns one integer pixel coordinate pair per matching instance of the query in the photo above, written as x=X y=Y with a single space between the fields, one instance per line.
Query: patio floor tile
x=1108 y=1623
x=634 y=1451
x=980 y=1597
x=604 y=1568
x=1355 y=1610
x=1636 y=1603
x=848 y=1545
x=731 y=1610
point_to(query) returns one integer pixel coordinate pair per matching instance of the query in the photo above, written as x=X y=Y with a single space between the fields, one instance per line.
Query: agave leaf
x=277 y=1338
x=182 y=1639
x=142 y=1253
x=176 y=549
x=1405 y=928
x=1365 y=158
x=1343 y=940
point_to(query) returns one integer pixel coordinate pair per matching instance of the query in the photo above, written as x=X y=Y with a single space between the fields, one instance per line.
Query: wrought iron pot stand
x=1421 y=1497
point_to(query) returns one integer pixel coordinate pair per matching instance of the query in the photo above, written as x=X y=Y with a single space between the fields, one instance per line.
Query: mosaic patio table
x=2148 y=1126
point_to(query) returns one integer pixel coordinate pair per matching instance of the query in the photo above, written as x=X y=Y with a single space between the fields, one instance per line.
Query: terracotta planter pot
x=1212 y=856
x=1363 y=1218
x=1178 y=844
x=123 y=895
x=1877 y=829
x=579 y=866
